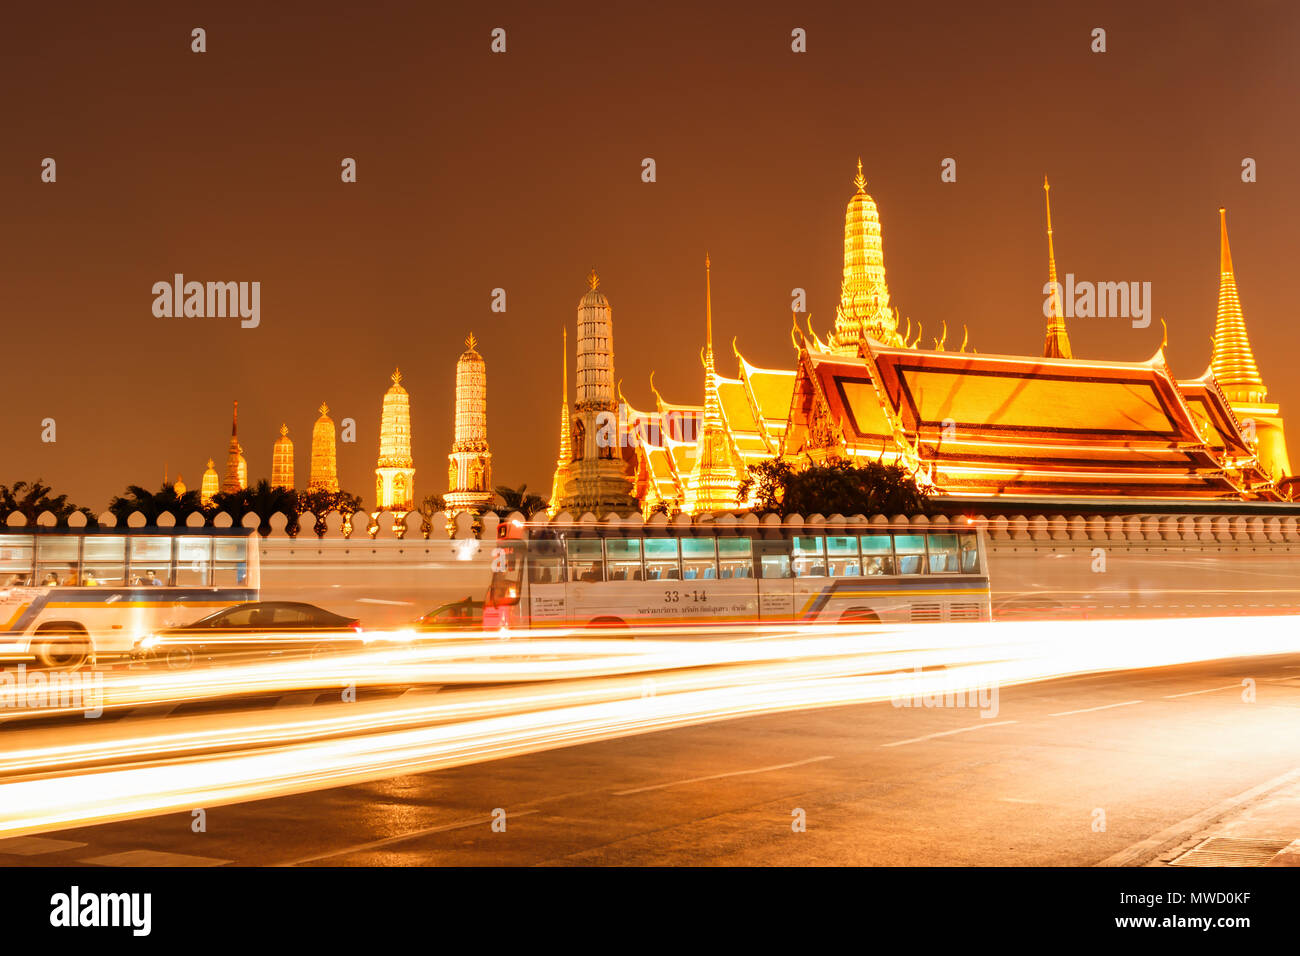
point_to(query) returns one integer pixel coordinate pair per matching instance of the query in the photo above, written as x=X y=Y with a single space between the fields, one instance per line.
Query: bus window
x=193 y=561
x=586 y=563
x=661 y=560
x=103 y=562
x=877 y=553
x=151 y=561
x=56 y=560
x=910 y=549
x=735 y=558
x=807 y=557
x=842 y=557
x=699 y=559
x=16 y=560
x=622 y=559
x=970 y=554
x=943 y=553
x=773 y=559
x=229 y=562
x=545 y=562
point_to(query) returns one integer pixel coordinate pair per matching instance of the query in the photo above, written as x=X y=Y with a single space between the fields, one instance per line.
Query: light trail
x=525 y=696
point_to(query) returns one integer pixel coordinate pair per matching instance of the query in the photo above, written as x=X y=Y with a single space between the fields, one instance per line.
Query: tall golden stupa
x=1057 y=344
x=282 y=460
x=210 y=485
x=718 y=470
x=236 y=478
x=561 y=477
x=599 y=480
x=469 y=468
x=1234 y=368
x=324 y=474
x=864 y=296
x=395 y=470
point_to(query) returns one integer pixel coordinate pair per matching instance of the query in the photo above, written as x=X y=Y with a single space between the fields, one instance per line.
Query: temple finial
x=234 y=421
x=1058 y=340
x=1225 y=254
x=564 y=362
x=284 y=429
x=324 y=409
x=593 y=280
x=859 y=181
x=471 y=343
x=397 y=376
x=708 y=306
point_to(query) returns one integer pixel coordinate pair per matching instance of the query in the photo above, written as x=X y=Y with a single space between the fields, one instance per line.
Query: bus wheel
x=180 y=658
x=605 y=623
x=64 y=653
x=859 y=615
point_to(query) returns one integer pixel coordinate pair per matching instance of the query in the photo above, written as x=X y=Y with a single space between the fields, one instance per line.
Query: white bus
x=68 y=595
x=610 y=577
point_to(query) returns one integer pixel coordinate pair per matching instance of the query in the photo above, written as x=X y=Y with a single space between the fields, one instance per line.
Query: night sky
x=522 y=170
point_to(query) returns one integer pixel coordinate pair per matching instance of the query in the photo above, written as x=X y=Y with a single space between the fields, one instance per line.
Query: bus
x=72 y=595
x=593 y=576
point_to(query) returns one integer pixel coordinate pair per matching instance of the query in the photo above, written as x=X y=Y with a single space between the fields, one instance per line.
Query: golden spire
x=593 y=280
x=282 y=460
x=236 y=477
x=396 y=376
x=864 y=295
x=471 y=343
x=324 y=473
x=714 y=480
x=1058 y=340
x=708 y=308
x=324 y=409
x=209 y=485
x=859 y=180
x=1233 y=362
x=566 y=440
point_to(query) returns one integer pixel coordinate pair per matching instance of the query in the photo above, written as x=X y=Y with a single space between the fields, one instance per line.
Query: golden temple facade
x=282 y=460
x=964 y=423
x=395 y=469
x=469 y=470
x=324 y=472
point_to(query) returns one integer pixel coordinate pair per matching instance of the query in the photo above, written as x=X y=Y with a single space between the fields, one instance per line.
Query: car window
x=237 y=617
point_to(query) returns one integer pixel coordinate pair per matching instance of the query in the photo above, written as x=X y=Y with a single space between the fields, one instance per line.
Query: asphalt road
x=1069 y=772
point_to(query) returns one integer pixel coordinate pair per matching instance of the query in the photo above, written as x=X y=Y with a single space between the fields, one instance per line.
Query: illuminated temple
x=324 y=473
x=395 y=469
x=962 y=423
x=469 y=469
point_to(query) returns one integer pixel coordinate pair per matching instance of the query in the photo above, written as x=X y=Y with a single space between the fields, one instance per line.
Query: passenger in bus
x=874 y=566
x=51 y=580
x=88 y=580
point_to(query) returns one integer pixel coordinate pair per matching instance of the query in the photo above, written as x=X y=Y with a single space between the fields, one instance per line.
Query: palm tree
x=30 y=498
x=263 y=500
x=151 y=504
x=320 y=503
x=518 y=499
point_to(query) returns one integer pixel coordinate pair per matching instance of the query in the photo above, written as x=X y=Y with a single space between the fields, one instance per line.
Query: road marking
x=1141 y=852
x=1015 y=800
x=948 y=733
x=35 y=846
x=1208 y=690
x=153 y=858
x=402 y=837
x=719 y=776
x=1089 y=710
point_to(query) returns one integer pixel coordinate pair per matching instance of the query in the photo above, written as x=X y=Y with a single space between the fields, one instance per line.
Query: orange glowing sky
x=522 y=170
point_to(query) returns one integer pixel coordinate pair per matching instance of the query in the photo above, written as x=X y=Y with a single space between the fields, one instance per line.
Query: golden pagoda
x=179 y=486
x=1058 y=341
x=718 y=470
x=282 y=460
x=1233 y=366
x=236 y=478
x=864 y=296
x=561 y=478
x=324 y=464
x=469 y=469
x=395 y=470
x=210 y=486
x=599 y=481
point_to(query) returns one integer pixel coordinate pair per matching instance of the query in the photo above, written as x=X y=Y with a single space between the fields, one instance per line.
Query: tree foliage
x=30 y=498
x=518 y=499
x=834 y=487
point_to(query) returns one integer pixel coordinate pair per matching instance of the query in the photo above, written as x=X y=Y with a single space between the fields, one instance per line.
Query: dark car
x=466 y=615
x=260 y=626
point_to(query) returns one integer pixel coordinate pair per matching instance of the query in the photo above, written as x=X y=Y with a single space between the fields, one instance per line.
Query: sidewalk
x=1265 y=832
